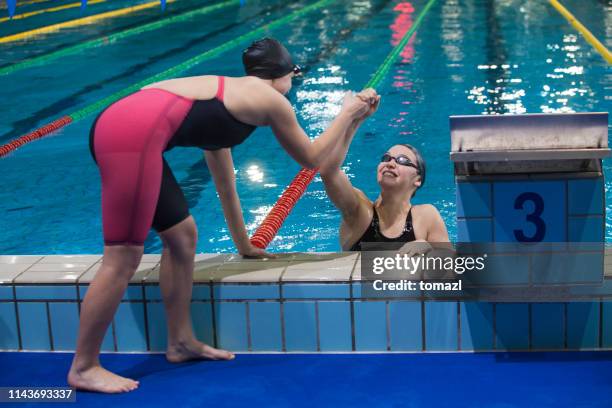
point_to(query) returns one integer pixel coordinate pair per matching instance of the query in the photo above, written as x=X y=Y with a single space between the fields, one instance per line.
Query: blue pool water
x=468 y=57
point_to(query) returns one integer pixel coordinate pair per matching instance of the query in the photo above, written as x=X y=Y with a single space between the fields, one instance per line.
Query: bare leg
x=97 y=311
x=176 y=281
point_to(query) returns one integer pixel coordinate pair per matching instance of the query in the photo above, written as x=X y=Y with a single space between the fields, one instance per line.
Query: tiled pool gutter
x=297 y=303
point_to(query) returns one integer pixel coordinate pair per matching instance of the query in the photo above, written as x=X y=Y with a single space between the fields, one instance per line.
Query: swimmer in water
x=139 y=191
x=391 y=217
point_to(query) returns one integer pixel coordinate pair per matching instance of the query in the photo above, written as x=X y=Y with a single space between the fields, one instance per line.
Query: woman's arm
x=221 y=167
x=336 y=157
x=294 y=140
x=339 y=189
x=436 y=242
x=436 y=232
x=337 y=185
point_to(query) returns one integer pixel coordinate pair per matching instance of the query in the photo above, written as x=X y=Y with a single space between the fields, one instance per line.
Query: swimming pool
x=468 y=57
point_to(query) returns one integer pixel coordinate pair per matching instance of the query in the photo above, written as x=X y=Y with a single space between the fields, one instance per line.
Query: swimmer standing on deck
x=139 y=191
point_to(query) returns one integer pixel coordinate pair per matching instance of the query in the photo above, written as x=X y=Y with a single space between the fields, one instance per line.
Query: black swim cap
x=268 y=59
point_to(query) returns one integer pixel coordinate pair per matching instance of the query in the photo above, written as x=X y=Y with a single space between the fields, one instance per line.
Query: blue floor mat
x=564 y=379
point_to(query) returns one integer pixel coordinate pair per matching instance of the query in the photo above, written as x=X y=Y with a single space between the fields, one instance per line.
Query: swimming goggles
x=402 y=160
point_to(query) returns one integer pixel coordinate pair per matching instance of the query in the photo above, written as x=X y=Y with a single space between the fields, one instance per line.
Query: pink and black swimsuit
x=127 y=141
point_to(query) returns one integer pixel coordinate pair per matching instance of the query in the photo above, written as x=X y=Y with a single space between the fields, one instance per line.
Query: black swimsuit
x=209 y=126
x=128 y=140
x=373 y=234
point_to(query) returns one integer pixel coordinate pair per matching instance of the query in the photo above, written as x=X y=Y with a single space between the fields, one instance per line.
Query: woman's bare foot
x=195 y=350
x=100 y=379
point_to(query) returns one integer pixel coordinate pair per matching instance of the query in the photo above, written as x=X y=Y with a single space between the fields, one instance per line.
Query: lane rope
x=24 y=3
x=109 y=39
x=48 y=10
x=37 y=134
x=169 y=73
x=79 y=22
x=272 y=223
x=591 y=39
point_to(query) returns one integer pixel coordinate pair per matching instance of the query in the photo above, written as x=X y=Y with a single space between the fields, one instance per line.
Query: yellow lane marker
x=25 y=3
x=48 y=10
x=591 y=39
x=79 y=21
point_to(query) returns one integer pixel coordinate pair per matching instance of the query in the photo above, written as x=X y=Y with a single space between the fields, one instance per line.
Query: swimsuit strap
x=220 y=87
x=375 y=224
x=373 y=233
x=408 y=226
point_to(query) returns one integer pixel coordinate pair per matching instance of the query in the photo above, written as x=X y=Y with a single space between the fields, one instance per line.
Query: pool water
x=467 y=57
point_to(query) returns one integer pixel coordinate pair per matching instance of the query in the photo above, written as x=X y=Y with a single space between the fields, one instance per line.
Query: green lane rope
x=270 y=226
x=169 y=73
x=110 y=39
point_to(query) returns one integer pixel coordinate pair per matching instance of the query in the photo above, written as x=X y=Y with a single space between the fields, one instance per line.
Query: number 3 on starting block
x=530 y=211
x=530 y=178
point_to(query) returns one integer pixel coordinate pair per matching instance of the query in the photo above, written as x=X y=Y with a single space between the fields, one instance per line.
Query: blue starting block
x=529 y=180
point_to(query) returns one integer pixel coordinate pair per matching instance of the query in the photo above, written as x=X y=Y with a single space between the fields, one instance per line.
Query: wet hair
x=420 y=162
x=267 y=59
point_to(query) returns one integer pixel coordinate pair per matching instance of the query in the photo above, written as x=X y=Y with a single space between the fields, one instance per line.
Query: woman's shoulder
x=249 y=83
x=428 y=221
x=426 y=212
x=425 y=208
x=353 y=227
x=363 y=198
x=258 y=93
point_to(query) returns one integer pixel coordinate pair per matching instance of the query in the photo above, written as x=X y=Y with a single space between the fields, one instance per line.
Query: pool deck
x=209 y=268
x=219 y=268
x=297 y=302
x=566 y=379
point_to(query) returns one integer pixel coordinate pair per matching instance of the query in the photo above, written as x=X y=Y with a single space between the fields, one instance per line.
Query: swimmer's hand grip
x=256 y=253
